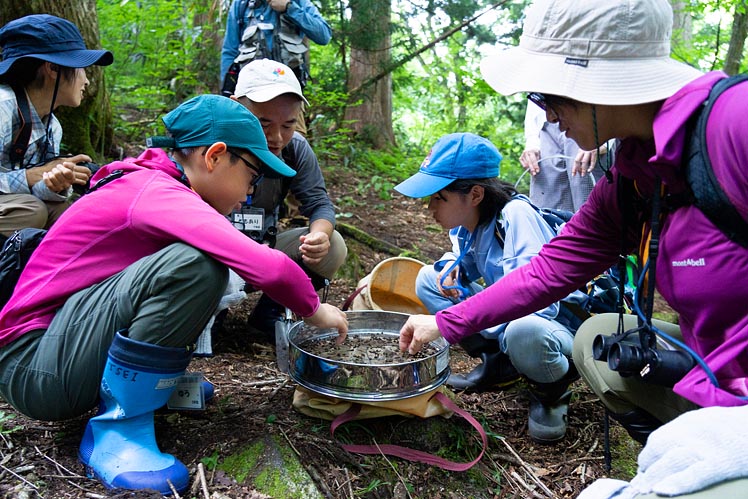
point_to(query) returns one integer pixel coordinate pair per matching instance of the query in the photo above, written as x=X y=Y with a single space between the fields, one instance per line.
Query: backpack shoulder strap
x=555 y=218
x=710 y=198
x=243 y=6
x=498 y=230
x=21 y=141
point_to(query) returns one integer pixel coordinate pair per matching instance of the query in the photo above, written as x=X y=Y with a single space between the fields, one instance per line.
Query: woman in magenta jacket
x=602 y=70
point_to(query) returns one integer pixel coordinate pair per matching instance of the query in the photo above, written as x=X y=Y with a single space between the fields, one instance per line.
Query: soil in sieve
x=368 y=348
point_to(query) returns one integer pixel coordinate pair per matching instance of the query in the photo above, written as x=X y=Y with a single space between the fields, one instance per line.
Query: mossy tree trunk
x=86 y=129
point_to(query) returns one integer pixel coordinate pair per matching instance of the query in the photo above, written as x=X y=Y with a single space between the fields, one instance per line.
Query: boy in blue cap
x=42 y=68
x=494 y=230
x=130 y=275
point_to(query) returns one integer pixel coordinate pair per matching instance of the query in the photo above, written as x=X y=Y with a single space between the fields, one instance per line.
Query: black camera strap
x=21 y=141
x=646 y=335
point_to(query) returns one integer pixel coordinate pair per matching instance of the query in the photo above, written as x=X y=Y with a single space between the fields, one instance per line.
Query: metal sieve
x=362 y=380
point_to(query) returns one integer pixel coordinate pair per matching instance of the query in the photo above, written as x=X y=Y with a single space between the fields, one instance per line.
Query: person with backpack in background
x=43 y=67
x=494 y=231
x=599 y=87
x=269 y=90
x=271 y=29
x=109 y=306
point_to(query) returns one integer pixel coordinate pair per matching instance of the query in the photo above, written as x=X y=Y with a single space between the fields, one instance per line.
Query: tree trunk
x=370 y=113
x=734 y=57
x=208 y=59
x=86 y=129
x=682 y=25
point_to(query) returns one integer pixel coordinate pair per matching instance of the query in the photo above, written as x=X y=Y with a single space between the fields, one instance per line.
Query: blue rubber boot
x=209 y=391
x=119 y=444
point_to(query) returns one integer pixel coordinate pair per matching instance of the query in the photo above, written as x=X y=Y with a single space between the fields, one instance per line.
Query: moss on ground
x=270 y=467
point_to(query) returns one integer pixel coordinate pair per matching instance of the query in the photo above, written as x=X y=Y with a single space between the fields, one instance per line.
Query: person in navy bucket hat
x=48 y=38
x=494 y=230
x=42 y=68
x=457 y=155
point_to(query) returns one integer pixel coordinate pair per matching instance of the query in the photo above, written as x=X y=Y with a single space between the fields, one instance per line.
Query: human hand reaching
x=417 y=332
x=530 y=160
x=329 y=316
x=314 y=247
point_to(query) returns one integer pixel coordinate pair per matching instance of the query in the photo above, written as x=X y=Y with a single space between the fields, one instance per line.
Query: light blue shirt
x=525 y=233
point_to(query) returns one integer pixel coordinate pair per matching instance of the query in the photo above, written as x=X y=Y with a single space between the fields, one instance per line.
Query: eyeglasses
x=538 y=99
x=256 y=177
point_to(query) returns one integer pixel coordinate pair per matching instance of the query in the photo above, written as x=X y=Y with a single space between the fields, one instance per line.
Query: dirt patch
x=253 y=399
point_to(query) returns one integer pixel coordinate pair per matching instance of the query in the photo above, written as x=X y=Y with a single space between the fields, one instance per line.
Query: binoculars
x=627 y=358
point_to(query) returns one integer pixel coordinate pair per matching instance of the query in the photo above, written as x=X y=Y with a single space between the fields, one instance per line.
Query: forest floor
x=253 y=399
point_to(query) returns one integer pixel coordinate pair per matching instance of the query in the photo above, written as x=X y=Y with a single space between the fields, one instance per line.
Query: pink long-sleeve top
x=145 y=210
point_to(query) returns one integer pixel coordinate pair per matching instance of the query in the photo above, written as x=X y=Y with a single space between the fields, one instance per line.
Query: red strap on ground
x=349 y=301
x=412 y=454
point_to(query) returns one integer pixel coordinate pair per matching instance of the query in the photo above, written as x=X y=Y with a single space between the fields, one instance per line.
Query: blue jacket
x=303 y=13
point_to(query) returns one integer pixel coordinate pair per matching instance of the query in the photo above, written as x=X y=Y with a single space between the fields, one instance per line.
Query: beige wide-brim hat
x=612 y=52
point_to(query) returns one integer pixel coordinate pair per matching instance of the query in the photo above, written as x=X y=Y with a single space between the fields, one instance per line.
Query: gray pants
x=620 y=394
x=165 y=299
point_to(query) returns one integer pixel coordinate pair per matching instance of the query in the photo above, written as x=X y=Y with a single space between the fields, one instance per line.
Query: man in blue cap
x=130 y=275
x=42 y=68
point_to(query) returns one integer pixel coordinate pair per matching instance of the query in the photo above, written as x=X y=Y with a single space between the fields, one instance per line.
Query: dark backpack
x=553 y=217
x=602 y=292
x=16 y=252
x=708 y=194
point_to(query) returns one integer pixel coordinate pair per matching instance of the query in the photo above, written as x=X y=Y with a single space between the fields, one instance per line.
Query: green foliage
x=709 y=27
x=211 y=462
x=5 y=419
x=371 y=487
x=169 y=50
x=156 y=46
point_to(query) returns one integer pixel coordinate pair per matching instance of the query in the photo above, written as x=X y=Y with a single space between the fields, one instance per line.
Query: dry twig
x=203 y=483
x=526 y=486
x=529 y=469
x=19 y=477
x=279 y=388
x=71 y=474
x=399 y=476
x=289 y=442
x=349 y=482
x=174 y=490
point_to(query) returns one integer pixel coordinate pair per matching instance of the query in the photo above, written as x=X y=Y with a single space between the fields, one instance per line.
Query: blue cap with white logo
x=454 y=156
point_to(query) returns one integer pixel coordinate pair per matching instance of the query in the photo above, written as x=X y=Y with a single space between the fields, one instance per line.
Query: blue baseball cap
x=47 y=38
x=454 y=156
x=207 y=119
